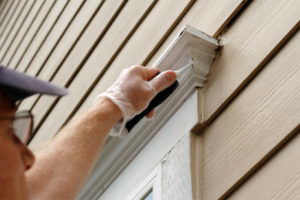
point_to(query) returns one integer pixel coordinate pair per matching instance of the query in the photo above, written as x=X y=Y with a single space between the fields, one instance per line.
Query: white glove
x=133 y=91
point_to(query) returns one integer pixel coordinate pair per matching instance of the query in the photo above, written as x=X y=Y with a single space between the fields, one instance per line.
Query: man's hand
x=136 y=87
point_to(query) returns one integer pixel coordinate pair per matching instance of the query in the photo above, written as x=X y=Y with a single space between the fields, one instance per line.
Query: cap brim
x=20 y=86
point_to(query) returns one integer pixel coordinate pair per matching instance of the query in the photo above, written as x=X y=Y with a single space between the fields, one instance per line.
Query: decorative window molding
x=190 y=46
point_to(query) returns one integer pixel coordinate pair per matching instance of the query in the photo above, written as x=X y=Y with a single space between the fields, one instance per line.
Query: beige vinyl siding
x=4 y=11
x=45 y=67
x=55 y=10
x=254 y=37
x=53 y=37
x=28 y=13
x=30 y=28
x=278 y=179
x=250 y=101
x=208 y=16
x=4 y=7
x=9 y=30
x=7 y=18
x=16 y=28
x=261 y=117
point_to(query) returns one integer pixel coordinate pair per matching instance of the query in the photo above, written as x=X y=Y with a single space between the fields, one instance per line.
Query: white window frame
x=152 y=181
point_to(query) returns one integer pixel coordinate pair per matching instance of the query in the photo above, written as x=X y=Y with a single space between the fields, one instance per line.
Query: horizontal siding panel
x=107 y=43
x=5 y=11
x=38 y=40
x=207 y=16
x=29 y=29
x=277 y=179
x=53 y=37
x=67 y=39
x=4 y=5
x=11 y=25
x=248 y=44
x=16 y=29
x=7 y=17
x=259 y=119
x=30 y=11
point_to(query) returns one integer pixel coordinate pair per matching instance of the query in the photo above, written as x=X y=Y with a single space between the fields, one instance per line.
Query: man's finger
x=163 y=80
x=150 y=115
x=150 y=72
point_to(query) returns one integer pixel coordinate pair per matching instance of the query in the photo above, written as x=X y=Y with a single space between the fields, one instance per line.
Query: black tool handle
x=158 y=99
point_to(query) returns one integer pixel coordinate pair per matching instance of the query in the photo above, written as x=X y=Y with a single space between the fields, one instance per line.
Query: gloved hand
x=133 y=91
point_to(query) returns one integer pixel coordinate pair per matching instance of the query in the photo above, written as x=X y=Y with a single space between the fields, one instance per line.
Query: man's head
x=15 y=157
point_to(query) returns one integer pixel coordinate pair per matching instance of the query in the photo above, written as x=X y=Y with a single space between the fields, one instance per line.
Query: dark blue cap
x=20 y=86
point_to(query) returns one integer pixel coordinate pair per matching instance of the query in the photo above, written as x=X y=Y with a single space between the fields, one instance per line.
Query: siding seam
x=283 y=143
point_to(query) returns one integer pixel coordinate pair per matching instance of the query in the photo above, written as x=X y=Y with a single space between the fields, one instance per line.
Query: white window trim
x=152 y=181
x=170 y=144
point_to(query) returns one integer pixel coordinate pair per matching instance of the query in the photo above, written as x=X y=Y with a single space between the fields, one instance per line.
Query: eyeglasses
x=22 y=124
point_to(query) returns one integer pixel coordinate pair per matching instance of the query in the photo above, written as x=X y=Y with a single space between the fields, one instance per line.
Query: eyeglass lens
x=22 y=128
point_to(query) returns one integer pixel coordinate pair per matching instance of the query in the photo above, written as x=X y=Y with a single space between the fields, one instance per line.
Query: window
x=149 y=195
x=149 y=188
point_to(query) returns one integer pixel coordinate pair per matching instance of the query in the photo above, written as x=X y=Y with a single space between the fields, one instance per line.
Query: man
x=60 y=168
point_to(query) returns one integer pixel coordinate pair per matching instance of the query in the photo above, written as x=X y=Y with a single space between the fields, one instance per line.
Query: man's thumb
x=163 y=80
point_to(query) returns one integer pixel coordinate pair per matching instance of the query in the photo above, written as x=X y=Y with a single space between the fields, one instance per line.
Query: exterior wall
x=249 y=106
x=251 y=101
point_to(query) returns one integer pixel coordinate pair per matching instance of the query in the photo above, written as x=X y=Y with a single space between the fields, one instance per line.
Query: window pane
x=149 y=196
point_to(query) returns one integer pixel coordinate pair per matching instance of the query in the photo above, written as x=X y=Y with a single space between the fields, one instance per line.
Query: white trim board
x=190 y=46
x=154 y=153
